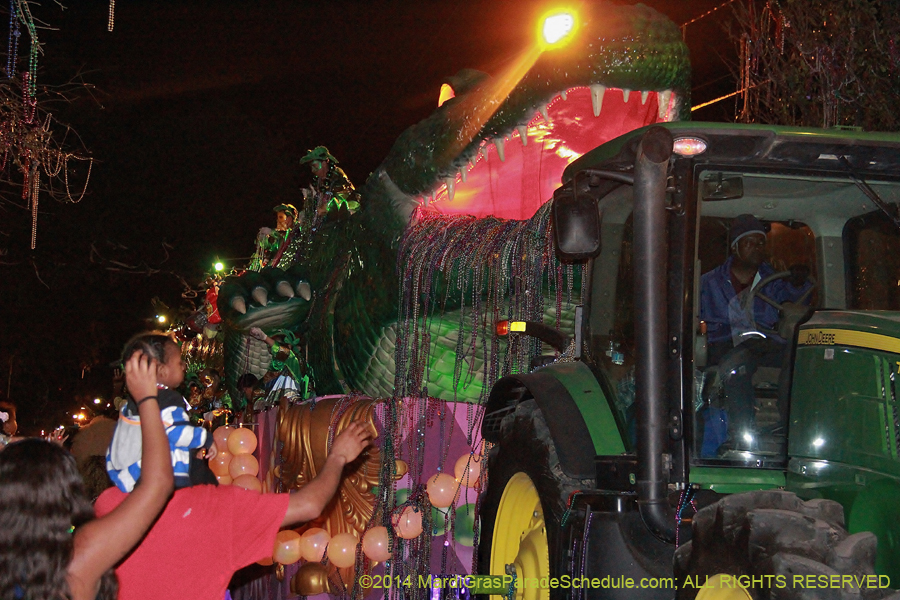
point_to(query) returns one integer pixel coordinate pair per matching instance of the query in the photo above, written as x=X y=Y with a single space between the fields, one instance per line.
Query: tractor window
x=873 y=262
x=756 y=281
x=612 y=311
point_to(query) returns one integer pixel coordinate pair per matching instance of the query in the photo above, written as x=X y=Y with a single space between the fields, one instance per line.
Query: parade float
x=381 y=304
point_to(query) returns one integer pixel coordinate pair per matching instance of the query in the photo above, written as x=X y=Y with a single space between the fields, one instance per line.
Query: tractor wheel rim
x=722 y=586
x=520 y=539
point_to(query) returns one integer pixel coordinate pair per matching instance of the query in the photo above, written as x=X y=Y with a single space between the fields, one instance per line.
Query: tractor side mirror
x=576 y=224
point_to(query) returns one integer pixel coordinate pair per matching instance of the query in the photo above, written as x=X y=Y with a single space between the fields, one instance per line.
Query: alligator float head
x=497 y=147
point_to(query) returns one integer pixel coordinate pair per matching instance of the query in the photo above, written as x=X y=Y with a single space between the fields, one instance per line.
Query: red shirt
x=203 y=536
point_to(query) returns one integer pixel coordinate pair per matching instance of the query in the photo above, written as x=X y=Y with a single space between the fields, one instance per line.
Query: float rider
x=331 y=192
x=271 y=245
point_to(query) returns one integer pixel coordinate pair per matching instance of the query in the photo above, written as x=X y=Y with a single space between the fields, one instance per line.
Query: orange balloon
x=243 y=464
x=442 y=489
x=375 y=544
x=248 y=482
x=313 y=543
x=220 y=462
x=468 y=469
x=224 y=479
x=342 y=550
x=220 y=437
x=242 y=441
x=408 y=524
x=287 y=547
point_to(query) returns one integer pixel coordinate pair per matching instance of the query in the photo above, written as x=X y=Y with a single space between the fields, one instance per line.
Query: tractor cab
x=736 y=357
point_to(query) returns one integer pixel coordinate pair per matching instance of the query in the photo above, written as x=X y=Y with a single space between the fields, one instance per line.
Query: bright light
x=818 y=442
x=219 y=266
x=96 y=400
x=748 y=438
x=446 y=94
x=688 y=146
x=161 y=318
x=556 y=28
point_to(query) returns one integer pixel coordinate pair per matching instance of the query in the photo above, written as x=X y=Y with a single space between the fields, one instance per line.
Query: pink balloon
x=375 y=544
x=442 y=489
x=243 y=464
x=313 y=543
x=287 y=547
x=342 y=550
x=408 y=524
x=468 y=469
x=242 y=441
x=248 y=482
x=220 y=437
x=224 y=479
x=220 y=462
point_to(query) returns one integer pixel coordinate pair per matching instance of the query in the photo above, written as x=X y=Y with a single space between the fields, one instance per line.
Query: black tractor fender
x=566 y=393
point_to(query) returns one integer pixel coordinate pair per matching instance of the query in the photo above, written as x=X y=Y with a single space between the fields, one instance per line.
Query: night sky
x=197 y=113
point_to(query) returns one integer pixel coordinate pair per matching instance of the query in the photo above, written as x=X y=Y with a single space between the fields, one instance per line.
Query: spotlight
x=556 y=28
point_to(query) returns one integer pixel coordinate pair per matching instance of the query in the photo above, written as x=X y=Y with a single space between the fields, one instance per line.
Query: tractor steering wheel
x=790 y=312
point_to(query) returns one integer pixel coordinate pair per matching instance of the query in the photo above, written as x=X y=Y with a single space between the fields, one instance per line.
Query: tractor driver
x=740 y=324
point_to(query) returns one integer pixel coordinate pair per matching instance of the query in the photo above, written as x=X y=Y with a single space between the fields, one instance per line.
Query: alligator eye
x=446 y=93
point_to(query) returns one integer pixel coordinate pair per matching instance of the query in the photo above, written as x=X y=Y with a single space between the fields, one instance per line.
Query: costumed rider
x=331 y=194
x=741 y=325
x=286 y=376
x=272 y=245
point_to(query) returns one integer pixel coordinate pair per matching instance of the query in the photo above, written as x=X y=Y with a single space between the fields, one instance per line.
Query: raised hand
x=350 y=443
x=140 y=375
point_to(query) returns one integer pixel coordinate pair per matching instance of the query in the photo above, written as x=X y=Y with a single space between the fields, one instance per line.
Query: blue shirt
x=720 y=305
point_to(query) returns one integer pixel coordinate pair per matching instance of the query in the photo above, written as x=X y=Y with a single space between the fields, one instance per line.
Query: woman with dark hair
x=51 y=546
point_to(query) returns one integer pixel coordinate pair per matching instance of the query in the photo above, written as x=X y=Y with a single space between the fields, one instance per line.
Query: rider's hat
x=744 y=225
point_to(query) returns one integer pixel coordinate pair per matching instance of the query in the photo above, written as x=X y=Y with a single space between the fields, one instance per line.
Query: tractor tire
x=770 y=542
x=525 y=468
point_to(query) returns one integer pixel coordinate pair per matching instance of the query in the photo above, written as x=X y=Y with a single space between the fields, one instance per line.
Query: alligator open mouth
x=512 y=176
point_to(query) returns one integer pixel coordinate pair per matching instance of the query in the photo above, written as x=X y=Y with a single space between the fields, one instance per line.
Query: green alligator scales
x=627 y=66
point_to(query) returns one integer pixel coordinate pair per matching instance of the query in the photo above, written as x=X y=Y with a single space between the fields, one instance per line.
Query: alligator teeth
x=304 y=290
x=463 y=173
x=474 y=159
x=625 y=95
x=432 y=196
x=260 y=295
x=238 y=304
x=543 y=111
x=284 y=289
x=562 y=95
x=523 y=134
x=644 y=97
x=597 y=92
x=498 y=144
x=663 y=98
x=451 y=187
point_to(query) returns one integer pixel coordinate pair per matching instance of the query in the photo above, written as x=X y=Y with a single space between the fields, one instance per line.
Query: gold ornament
x=311 y=579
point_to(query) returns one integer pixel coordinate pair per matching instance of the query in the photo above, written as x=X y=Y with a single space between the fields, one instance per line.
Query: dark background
x=197 y=113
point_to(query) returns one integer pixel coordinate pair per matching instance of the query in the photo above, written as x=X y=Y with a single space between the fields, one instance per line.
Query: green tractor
x=672 y=457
